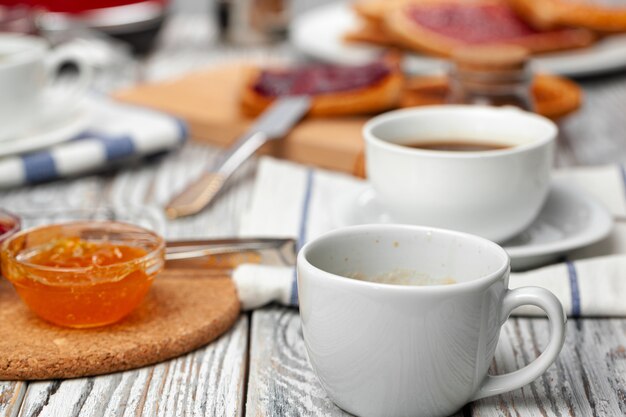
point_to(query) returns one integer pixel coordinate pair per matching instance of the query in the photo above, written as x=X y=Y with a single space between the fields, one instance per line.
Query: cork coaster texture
x=185 y=309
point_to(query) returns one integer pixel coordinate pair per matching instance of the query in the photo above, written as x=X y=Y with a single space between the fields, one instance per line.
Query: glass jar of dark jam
x=493 y=76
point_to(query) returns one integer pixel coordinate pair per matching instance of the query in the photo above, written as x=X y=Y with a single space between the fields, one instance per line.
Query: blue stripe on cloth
x=115 y=147
x=118 y=147
x=623 y=171
x=84 y=135
x=304 y=219
x=182 y=129
x=293 y=301
x=39 y=167
x=574 y=289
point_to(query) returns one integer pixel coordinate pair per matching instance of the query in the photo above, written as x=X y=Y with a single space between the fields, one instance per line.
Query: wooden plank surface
x=281 y=381
x=206 y=382
x=597 y=133
x=588 y=379
x=11 y=396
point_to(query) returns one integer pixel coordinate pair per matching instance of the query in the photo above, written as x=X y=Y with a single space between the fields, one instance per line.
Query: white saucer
x=569 y=220
x=48 y=134
x=319 y=33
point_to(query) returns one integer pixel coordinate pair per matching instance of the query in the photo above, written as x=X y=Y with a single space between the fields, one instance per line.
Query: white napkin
x=292 y=200
x=116 y=133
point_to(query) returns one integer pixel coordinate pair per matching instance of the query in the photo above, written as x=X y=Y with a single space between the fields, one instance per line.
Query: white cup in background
x=494 y=193
x=28 y=74
x=401 y=350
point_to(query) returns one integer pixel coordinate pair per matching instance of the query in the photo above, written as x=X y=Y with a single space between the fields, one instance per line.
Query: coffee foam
x=401 y=276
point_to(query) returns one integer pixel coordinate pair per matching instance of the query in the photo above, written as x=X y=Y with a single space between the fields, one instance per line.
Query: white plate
x=48 y=134
x=570 y=219
x=319 y=33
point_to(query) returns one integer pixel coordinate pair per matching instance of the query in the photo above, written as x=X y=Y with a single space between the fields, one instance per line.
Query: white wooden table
x=259 y=368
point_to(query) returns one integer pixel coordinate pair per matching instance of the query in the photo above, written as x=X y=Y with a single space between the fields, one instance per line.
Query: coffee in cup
x=455 y=145
x=397 y=349
x=481 y=170
x=399 y=276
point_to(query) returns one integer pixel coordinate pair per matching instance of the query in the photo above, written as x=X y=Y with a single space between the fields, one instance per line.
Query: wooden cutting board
x=209 y=102
x=185 y=309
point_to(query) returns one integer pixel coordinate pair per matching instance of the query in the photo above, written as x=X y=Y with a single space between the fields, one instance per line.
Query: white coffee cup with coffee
x=29 y=70
x=405 y=348
x=495 y=189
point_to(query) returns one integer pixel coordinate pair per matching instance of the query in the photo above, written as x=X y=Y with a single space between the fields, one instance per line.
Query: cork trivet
x=184 y=310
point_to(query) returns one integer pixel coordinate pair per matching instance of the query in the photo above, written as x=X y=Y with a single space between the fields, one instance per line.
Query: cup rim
x=8 y=256
x=394 y=115
x=37 y=46
x=471 y=285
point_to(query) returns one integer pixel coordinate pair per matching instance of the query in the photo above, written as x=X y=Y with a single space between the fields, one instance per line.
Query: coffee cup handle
x=544 y=299
x=54 y=61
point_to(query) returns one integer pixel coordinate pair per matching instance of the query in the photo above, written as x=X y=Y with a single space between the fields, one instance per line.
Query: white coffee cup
x=494 y=194
x=399 y=350
x=28 y=74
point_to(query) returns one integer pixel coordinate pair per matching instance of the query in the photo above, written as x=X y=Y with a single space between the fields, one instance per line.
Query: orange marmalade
x=74 y=282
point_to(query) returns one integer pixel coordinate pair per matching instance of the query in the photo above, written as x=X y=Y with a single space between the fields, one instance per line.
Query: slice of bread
x=547 y=14
x=554 y=96
x=356 y=98
x=374 y=11
x=369 y=33
x=440 y=26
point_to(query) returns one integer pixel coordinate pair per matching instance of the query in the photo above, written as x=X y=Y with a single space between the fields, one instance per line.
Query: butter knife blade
x=274 y=123
x=271 y=251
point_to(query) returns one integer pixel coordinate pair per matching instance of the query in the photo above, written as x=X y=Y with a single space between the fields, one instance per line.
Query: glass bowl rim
x=17 y=223
x=12 y=258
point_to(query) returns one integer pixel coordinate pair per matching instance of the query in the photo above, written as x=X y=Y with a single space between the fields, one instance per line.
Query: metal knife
x=269 y=251
x=274 y=123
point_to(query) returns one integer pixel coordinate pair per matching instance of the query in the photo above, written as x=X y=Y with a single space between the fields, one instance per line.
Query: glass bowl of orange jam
x=83 y=274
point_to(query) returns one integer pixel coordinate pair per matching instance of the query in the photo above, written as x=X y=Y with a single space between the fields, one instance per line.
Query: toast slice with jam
x=335 y=90
x=593 y=15
x=440 y=26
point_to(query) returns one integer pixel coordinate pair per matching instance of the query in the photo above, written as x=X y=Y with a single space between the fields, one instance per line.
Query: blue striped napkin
x=115 y=134
x=292 y=200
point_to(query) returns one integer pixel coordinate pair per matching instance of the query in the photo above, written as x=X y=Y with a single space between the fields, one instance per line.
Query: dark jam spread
x=319 y=79
x=472 y=24
x=5 y=227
